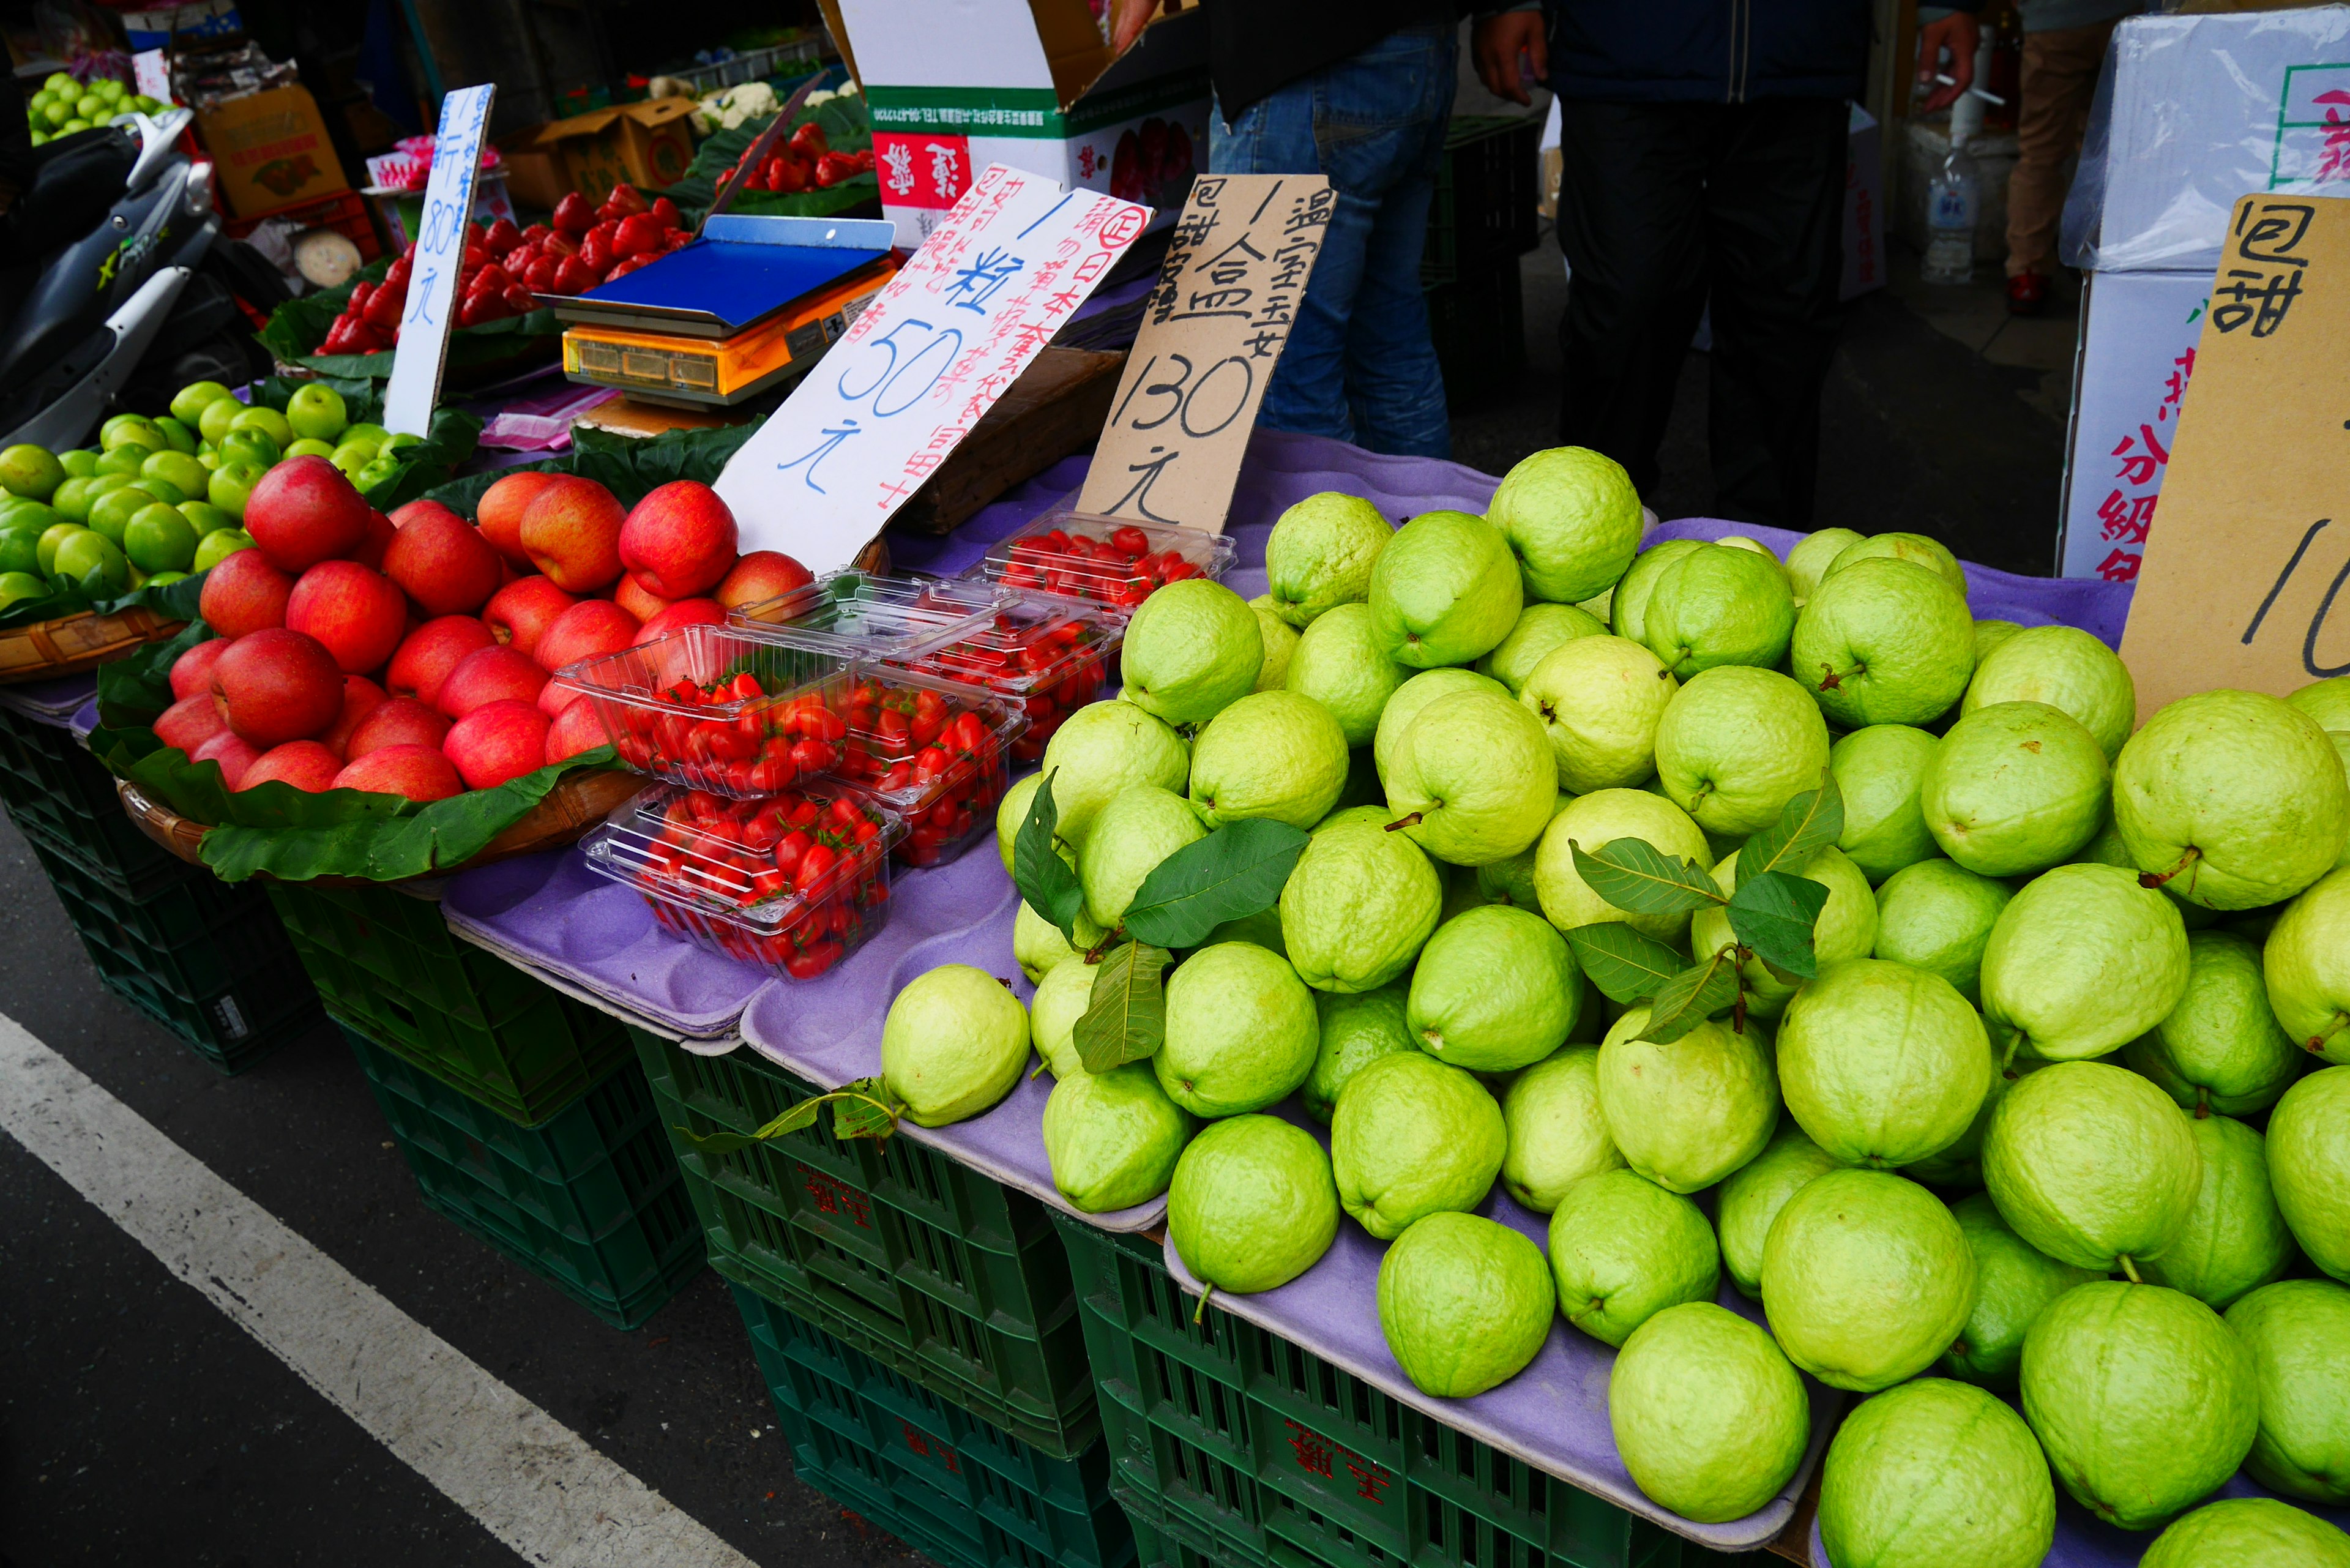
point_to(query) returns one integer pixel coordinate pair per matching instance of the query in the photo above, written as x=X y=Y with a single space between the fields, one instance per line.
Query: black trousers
x=1664 y=206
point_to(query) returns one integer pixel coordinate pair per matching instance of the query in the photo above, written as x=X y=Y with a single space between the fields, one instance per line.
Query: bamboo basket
x=76 y=643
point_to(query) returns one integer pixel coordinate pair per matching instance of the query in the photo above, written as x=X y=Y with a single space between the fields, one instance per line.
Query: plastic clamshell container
x=869 y=617
x=1051 y=655
x=1048 y=557
x=910 y=748
x=736 y=745
x=707 y=866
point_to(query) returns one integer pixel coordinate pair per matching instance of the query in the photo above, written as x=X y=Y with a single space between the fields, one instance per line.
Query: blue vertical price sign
x=925 y=360
x=431 y=308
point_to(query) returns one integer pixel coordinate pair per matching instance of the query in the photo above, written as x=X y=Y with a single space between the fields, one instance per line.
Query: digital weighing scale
x=750 y=305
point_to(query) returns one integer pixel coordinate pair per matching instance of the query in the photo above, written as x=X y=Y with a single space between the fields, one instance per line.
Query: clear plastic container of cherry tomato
x=715 y=708
x=794 y=882
x=1050 y=656
x=1108 y=560
x=874 y=617
x=935 y=753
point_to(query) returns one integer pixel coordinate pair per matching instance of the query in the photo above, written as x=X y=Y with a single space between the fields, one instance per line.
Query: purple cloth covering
x=51 y=702
x=84 y=719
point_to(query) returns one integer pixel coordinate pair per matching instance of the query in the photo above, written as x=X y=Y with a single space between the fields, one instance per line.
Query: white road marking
x=524 y=1476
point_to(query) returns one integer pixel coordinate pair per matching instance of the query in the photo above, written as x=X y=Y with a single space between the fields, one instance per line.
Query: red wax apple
x=244 y=594
x=233 y=751
x=357 y=614
x=305 y=764
x=191 y=721
x=304 y=510
x=191 y=672
x=680 y=615
x=277 y=685
x=419 y=773
x=520 y=612
x=430 y=651
x=397 y=722
x=575 y=730
x=678 y=541
x=501 y=509
x=761 y=575
x=440 y=560
x=587 y=629
x=497 y=742
x=571 y=531
x=487 y=675
x=360 y=698
x=632 y=597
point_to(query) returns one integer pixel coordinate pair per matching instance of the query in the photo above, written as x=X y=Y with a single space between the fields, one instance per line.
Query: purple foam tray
x=829 y=1030
x=1553 y=1416
x=51 y=702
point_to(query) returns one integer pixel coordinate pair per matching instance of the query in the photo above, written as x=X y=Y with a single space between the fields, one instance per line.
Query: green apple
x=397 y=440
x=94 y=561
x=20 y=549
x=45 y=555
x=189 y=403
x=377 y=472
x=267 y=421
x=182 y=437
x=212 y=420
x=209 y=457
x=124 y=428
x=112 y=512
x=231 y=483
x=78 y=464
x=162 y=490
x=204 y=517
x=127 y=458
x=158 y=539
x=16 y=585
x=354 y=455
x=317 y=411
x=375 y=433
x=177 y=468
x=27 y=469
x=218 y=545
x=251 y=446
x=310 y=446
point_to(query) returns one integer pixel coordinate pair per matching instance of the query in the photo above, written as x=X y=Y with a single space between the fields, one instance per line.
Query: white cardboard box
x=2137 y=348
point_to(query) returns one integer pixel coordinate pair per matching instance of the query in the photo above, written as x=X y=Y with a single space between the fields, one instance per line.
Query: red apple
x=497 y=742
x=233 y=751
x=680 y=615
x=397 y=722
x=360 y=698
x=571 y=531
x=520 y=612
x=191 y=721
x=307 y=765
x=357 y=613
x=587 y=629
x=304 y=510
x=556 y=697
x=369 y=550
x=487 y=675
x=419 y=773
x=441 y=560
x=761 y=575
x=423 y=661
x=678 y=541
x=575 y=730
x=245 y=593
x=631 y=597
x=501 y=509
x=276 y=686
x=191 y=672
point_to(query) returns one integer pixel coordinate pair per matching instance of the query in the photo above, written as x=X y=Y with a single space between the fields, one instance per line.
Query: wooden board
x=1057 y=407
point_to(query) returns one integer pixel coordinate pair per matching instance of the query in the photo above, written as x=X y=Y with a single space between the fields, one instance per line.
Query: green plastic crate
x=1488 y=195
x=592 y=1202
x=1262 y=1452
x=969 y=1493
x=943 y=1275
x=405 y=942
x=62 y=801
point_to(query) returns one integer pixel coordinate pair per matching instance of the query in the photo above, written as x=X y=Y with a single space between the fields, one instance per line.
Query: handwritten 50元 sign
x=928 y=357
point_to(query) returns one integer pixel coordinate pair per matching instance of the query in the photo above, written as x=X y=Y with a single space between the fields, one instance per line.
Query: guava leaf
x=1125 y=1021
x=1235 y=871
x=1806 y=824
x=1625 y=964
x=1773 y=913
x=1635 y=875
x=863 y=1109
x=1045 y=879
x=1692 y=997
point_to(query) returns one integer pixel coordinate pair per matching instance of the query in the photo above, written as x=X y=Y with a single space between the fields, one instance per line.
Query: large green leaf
x=1625 y=964
x=1692 y=997
x=1806 y=824
x=1237 y=871
x=174 y=601
x=861 y=1109
x=1043 y=878
x=1126 y=1018
x=1636 y=876
x=132 y=693
x=1773 y=913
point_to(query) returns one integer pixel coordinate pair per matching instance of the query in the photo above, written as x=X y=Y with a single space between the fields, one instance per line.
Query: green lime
x=94 y=561
x=124 y=429
x=16 y=585
x=45 y=550
x=26 y=470
x=181 y=437
x=20 y=549
x=219 y=544
x=179 y=469
x=126 y=458
x=112 y=512
x=158 y=539
x=78 y=464
x=267 y=421
x=310 y=446
x=203 y=516
x=212 y=420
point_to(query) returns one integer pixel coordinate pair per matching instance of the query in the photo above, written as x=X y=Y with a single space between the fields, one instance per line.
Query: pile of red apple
x=410 y=655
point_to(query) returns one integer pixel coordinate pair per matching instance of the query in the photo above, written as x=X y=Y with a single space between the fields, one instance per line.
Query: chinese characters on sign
x=924 y=170
x=431 y=308
x=2259 y=271
x=1317 y=1454
x=925 y=360
x=2139 y=351
x=1214 y=327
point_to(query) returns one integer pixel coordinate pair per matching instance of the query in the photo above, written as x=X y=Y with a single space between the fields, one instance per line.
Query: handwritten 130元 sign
x=930 y=355
x=1228 y=292
x=431 y=309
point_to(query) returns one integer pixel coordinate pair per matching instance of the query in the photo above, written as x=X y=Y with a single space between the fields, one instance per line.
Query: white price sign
x=930 y=355
x=431 y=308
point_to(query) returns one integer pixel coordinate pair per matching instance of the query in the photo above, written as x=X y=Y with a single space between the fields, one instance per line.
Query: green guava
x=1884 y=642
x=2107 y=849
x=1140 y=827
x=2306 y=968
x=2091 y=1164
x=1472 y=779
x=1013 y=811
x=2249 y=1533
x=2299 y=1334
x=1271 y=753
x=2081 y=962
x=1099 y=749
x=1931 y=554
x=2065 y=668
x=1264 y=929
x=1410 y=1137
x=1037 y=944
x=1937 y=916
x=1557 y=1133
x=1934 y=1474
x=1191 y=648
x=1687 y=1114
x=1511 y=881
x=1241 y=1031
x=1709 y=1416
x=1989 y=634
x=1112 y=1138
x=1358 y=1028
x=1736 y=744
x=1280 y=644
x=2235 y=1239
x=2142 y=1398
x=2328 y=702
x=954 y=1043
x=1600 y=700
x=1751 y=1197
x=1251 y=1205
x=1628 y=609
x=1596 y=821
x=1623 y=1249
x=1845 y=928
x=1882 y=1064
x=2309 y=1167
x=2221 y=1047
x=1813 y=554
x=1357 y=907
x=1572 y=519
x=2236 y=799
x=2014 y=789
x=1340 y=664
x=1877 y=769
x=1719 y=605
x=1464 y=1303
x=1541 y=628
x=1495 y=989
x=1320 y=553
x=1061 y=999
x=2014 y=1282
x=1961 y=1165
x=1866 y=1278
x=1412 y=696
x=1444 y=591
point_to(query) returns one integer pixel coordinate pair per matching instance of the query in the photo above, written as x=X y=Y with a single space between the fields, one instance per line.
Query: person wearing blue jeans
x=1362 y=94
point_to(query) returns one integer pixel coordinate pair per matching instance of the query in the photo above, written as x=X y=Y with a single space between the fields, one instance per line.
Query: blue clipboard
x=740 y=271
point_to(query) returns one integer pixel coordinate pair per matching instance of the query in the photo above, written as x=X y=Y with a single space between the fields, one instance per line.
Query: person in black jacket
x=1703 y=147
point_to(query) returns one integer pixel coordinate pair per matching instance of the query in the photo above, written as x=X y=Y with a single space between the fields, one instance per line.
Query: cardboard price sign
x=1228 y=294
x=431 y=308
x=2243 y=580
